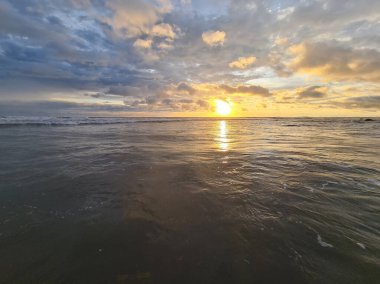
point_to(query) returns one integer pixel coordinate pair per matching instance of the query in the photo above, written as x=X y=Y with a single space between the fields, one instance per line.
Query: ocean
x=163 y=200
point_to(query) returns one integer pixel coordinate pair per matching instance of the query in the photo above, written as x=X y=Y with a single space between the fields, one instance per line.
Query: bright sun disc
x=222 y=107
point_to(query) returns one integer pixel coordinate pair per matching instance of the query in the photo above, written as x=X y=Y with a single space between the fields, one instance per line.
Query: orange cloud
x=163 y=30
x=214 y=38
x=143 y=43
x=242 y=62
x=335 y=62
x=133 y=18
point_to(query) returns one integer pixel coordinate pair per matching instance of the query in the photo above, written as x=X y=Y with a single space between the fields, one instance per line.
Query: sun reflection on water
x=223 y=136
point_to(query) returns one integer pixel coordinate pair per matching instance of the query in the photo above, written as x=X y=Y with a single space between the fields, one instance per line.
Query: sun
x=222 y=107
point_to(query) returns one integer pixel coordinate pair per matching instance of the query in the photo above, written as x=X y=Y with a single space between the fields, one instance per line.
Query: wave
x=12 y=121
x=76 y=121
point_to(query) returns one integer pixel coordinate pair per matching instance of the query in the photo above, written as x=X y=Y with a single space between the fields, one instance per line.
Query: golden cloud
x=242 y=62
x=163 y=30
x=214 y=38
x=143 y=43
x=335 y=62
x=133 y=18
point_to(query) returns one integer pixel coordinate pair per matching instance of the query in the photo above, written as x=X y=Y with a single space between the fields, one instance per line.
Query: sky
x=180 y=57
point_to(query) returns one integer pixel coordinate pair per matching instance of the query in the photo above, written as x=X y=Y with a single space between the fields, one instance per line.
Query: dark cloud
x=252 y=90
x=69 y=45
x=313 y=92
x=151 y=100
x=364 y=102
x=185 y=87
x=58 y=108
x=96 y=95
x=171 y=104
x=124 y=90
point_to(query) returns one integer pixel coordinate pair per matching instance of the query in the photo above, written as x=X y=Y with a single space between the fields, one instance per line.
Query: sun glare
x=222 y=107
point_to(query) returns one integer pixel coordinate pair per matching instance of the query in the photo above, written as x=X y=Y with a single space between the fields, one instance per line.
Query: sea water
x=160 y=200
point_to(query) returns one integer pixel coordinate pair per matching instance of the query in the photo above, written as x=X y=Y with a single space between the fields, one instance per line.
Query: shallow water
x=103 y=200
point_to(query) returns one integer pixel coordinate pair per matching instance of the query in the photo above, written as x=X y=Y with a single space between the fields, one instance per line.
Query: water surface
x=101 y=200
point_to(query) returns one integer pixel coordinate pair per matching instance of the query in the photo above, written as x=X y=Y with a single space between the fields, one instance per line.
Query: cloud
x=186 y=88
x=57 y=108
x=133 y=18
x=252 y=90
x=333 y=12
x=281 y=41
x=242 y=62
x=143 y=43
x=203 y=104
x=313 y=92
x=364 y=102
x=165 y=45
x=214 y=38
x=125 y=90
x=333 y=61
x=159 y=41
x=128 y=50
x=182 y=105
x=163 y=30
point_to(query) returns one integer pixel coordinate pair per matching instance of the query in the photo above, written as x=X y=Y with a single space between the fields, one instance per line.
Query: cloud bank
x=179 y=56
